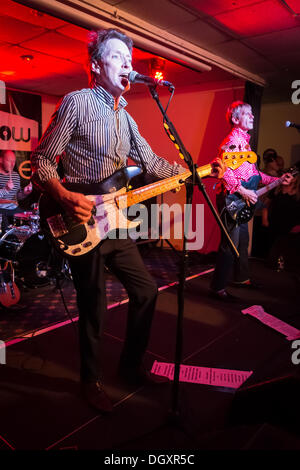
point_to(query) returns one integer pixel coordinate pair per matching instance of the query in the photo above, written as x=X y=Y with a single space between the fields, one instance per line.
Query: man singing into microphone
x=90 y=130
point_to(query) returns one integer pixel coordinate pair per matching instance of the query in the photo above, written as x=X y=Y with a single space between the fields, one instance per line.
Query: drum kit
x=27 y=249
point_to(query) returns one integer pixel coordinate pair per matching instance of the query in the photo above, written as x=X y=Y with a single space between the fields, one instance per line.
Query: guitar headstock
x=234 y=159
x=294 y=170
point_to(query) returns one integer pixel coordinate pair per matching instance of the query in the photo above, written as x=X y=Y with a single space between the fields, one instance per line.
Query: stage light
x=7 y=73
x=27 y=58
x=159 y=76
x=156 y=68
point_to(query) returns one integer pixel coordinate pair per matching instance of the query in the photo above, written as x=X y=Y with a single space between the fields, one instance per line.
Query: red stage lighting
x=156 y=68
x=159 y=75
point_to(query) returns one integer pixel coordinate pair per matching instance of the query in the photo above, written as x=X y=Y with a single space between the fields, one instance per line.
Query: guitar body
x=237 y=208
x=236 y=205
x=111 y=198
x=9 y=294
x=76 y=239
x=9 y=291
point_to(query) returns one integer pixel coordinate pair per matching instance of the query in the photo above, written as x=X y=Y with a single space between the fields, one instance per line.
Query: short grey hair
x=234 y=110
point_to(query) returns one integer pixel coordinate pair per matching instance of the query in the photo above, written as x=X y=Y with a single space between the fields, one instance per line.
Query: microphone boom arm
x=185 y=155
x=172 y=133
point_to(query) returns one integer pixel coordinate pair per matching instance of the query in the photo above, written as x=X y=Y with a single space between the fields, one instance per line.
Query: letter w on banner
x=17 y=132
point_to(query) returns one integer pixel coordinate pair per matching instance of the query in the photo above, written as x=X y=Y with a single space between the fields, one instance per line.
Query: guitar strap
x=256 y=166
x=134 y=143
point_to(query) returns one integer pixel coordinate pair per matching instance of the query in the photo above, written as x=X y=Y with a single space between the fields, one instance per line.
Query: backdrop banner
x=18 y=132
x=20 y=126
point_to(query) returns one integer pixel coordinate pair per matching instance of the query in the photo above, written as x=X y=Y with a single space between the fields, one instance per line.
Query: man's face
x=273 y=165
x=246 y=118
x=8 y=161
x=114 y=67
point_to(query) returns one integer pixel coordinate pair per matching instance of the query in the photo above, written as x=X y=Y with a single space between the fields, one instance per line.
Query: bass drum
x=30 y=253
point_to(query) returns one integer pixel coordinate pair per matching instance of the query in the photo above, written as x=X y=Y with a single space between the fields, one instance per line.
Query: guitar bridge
x=57 y=225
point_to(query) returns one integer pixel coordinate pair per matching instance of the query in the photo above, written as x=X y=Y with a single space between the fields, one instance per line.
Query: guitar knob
x=87 y=244
x=76 y=250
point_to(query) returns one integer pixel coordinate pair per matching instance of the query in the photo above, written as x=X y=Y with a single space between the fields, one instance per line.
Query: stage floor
x=40 y=402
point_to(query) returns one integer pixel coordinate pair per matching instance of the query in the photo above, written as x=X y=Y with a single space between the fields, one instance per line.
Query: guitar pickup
x=57 y=225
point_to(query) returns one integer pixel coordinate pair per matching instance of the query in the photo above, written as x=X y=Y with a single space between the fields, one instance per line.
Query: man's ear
x=235 y=120
x=96 y=68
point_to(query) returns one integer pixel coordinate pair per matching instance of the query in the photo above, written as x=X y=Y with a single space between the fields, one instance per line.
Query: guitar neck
x=155 y=189
x=270 y=186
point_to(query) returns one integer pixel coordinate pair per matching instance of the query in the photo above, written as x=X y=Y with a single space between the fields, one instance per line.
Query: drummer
x=10 y=188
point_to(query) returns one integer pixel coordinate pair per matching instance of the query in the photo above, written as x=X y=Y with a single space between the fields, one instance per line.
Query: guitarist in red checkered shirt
x=240 y=117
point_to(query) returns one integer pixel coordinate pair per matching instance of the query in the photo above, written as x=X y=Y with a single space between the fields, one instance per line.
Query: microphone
x=135 y=77
x=292 y=124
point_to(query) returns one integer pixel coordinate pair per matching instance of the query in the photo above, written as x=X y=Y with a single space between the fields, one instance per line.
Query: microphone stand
x=196 y=179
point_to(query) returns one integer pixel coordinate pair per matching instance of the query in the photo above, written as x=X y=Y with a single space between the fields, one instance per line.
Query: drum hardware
x=25 y=247
x=30 y=219
x=29 y=251
x=35 y=261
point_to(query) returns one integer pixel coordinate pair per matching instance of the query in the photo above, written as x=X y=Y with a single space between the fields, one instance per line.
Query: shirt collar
x=238 y=132
x=108 y=98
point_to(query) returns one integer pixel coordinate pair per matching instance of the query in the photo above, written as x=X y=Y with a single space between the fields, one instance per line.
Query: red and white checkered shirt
x=238 y=141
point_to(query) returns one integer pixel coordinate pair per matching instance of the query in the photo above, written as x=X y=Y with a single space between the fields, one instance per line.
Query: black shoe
x=224 y=296
x=94 y=393
x=250 y=284
x=139 y=376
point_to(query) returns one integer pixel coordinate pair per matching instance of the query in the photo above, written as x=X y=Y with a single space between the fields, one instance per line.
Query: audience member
x=284 y=224
x=270 y=161
x=280 y=163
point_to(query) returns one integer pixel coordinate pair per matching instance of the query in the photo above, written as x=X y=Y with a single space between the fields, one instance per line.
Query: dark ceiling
x=262 y=36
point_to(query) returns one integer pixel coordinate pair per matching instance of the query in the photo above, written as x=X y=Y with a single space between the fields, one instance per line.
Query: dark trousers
x=122 y=257
x=227 y=264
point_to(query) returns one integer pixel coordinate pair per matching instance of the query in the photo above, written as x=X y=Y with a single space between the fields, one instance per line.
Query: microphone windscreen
x=132 y=75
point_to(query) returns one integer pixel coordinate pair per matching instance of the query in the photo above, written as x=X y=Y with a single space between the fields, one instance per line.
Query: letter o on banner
x=5 y=133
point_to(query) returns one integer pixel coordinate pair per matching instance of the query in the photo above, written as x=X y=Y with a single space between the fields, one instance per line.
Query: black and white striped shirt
x=93 y=140
x=10 y=194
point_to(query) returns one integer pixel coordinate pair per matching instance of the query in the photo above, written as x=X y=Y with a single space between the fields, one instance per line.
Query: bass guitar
x=236 y=206
x=111 y=197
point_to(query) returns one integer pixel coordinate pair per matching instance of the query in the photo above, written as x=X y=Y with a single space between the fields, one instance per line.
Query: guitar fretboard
x=154 y=189
x=270 y=186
